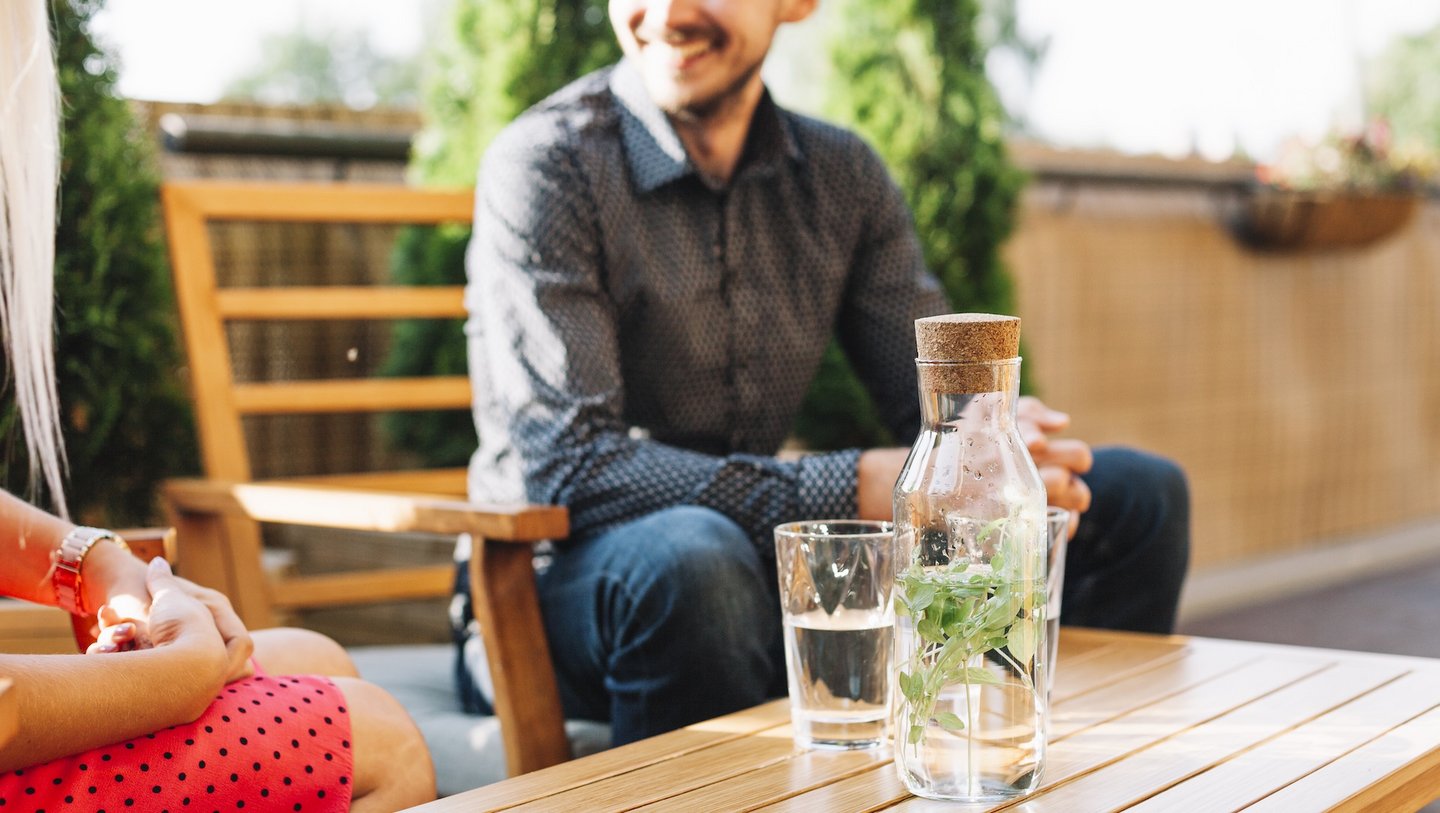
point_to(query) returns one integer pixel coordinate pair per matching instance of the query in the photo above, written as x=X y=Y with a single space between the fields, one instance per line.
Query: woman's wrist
x=110 y=572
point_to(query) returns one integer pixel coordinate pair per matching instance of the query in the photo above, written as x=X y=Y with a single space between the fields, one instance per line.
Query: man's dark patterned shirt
x=640 y=337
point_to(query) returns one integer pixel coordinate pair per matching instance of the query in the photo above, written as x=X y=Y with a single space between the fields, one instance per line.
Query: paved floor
x=1395 y=614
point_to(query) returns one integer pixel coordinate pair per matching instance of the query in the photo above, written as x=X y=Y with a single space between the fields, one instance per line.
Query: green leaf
x=917 y=732
x=912 y=686
x=929 y=629
x=921 y=596
x=990 y=529
x=976 y=674
x=901 y=608
x=950 y=721
x=952 y=615
x=1023 y=640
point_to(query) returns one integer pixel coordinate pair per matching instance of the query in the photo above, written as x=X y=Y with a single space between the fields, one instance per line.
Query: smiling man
x=660 y=257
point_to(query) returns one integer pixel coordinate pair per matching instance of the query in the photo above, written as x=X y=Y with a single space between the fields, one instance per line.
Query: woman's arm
x=29 y=538
x=70 y=703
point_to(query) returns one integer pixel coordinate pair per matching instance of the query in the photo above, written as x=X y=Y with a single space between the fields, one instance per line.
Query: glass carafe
x=970 y=629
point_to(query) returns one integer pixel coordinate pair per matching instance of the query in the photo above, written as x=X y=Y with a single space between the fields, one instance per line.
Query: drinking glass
x=1057 y=540
x=836 y=581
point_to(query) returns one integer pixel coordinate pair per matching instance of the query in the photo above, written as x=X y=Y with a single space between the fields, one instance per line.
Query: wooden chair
x=218 y=517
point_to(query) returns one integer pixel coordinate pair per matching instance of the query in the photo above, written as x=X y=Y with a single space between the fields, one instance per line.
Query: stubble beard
x=700 y=111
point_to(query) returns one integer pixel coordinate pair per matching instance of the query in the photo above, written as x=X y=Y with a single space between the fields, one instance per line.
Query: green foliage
x=330 y=65
x=1403 y=90
x=910 y=77
x=126 y=419
x=492 y=62
x=960 y=615
x=422 y=347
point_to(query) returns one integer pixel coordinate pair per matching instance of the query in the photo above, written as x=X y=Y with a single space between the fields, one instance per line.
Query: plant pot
x=1277 y=219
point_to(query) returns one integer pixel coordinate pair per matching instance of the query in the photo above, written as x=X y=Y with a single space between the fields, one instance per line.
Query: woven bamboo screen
x=1301 y=391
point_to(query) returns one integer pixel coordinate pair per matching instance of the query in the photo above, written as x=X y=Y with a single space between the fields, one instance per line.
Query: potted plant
x=1347 y=191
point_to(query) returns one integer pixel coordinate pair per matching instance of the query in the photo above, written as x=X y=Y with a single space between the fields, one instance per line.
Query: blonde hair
x=29 y=179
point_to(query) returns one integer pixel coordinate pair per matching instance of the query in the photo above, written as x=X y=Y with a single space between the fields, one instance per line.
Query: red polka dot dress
x=266 y=743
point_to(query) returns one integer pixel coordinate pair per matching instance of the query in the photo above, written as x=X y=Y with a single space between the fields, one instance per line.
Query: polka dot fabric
x=265 y=744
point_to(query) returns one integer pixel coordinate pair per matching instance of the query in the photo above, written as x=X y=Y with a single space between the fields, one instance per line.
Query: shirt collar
x=655 y=153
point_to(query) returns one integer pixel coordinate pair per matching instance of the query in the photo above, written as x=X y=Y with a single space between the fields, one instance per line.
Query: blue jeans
x=675 y=618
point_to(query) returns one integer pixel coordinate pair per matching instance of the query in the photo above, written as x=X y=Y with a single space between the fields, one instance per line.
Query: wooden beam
x=343 y=302
x=441 y=482
x=363 y=587
x=353 y=395
x=325 y=203
x=527 y=698
x=368 y=510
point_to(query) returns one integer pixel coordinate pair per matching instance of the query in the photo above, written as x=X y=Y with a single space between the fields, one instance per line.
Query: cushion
x=467 y=748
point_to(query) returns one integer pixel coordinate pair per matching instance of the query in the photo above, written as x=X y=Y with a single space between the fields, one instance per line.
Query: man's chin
x=678 y=100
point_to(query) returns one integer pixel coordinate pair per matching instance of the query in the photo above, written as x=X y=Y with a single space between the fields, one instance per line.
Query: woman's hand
x=180 y=621
x=238 y=644
x=121 y=631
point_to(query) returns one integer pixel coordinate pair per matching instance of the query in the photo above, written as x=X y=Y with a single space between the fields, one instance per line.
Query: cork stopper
x=967 y=338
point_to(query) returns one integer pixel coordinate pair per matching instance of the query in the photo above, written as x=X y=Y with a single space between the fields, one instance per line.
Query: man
x=660 y=256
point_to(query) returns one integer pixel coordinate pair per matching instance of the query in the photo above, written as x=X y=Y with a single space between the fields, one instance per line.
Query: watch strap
x=70 y=558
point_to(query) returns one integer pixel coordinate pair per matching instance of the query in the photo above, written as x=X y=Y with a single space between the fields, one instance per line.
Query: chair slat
x=364 y=587
x=451 y=482
x=324 y=203
x=352 y=395
x=343 y=302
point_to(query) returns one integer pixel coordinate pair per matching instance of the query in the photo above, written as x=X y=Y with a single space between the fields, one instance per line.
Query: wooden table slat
x=1072 y=649
x=1109 y=665
x=1373 y=740
x=1078 y=713
x=616 y=761
x=803 y=771
x=1139 y=723
x=874 y=789
x=1115 y=739
x=672 y=777
x=1146 y=772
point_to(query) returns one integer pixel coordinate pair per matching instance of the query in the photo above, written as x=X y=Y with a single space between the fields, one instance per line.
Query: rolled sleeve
x=826 y=485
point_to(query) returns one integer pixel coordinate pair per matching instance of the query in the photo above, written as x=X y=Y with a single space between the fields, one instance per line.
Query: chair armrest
x=363 y=510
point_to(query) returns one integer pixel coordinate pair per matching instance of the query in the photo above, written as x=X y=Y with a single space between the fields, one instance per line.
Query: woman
x=175 y=706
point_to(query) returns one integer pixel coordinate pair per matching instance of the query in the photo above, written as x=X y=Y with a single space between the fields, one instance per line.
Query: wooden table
x=1140 y=723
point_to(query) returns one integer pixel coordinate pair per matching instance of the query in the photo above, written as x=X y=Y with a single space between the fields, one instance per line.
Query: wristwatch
x=68 y=560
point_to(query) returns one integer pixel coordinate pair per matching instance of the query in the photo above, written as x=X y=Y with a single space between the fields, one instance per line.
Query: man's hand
x=875 y=485
x=1060 y=461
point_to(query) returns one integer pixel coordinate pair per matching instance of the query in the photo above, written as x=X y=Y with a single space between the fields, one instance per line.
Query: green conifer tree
x=496 y=58
x=909 y=76
x=126 y=419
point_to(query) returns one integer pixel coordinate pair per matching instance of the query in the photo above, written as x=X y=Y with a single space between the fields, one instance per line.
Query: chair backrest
x=206 y=308
x=222 y=403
